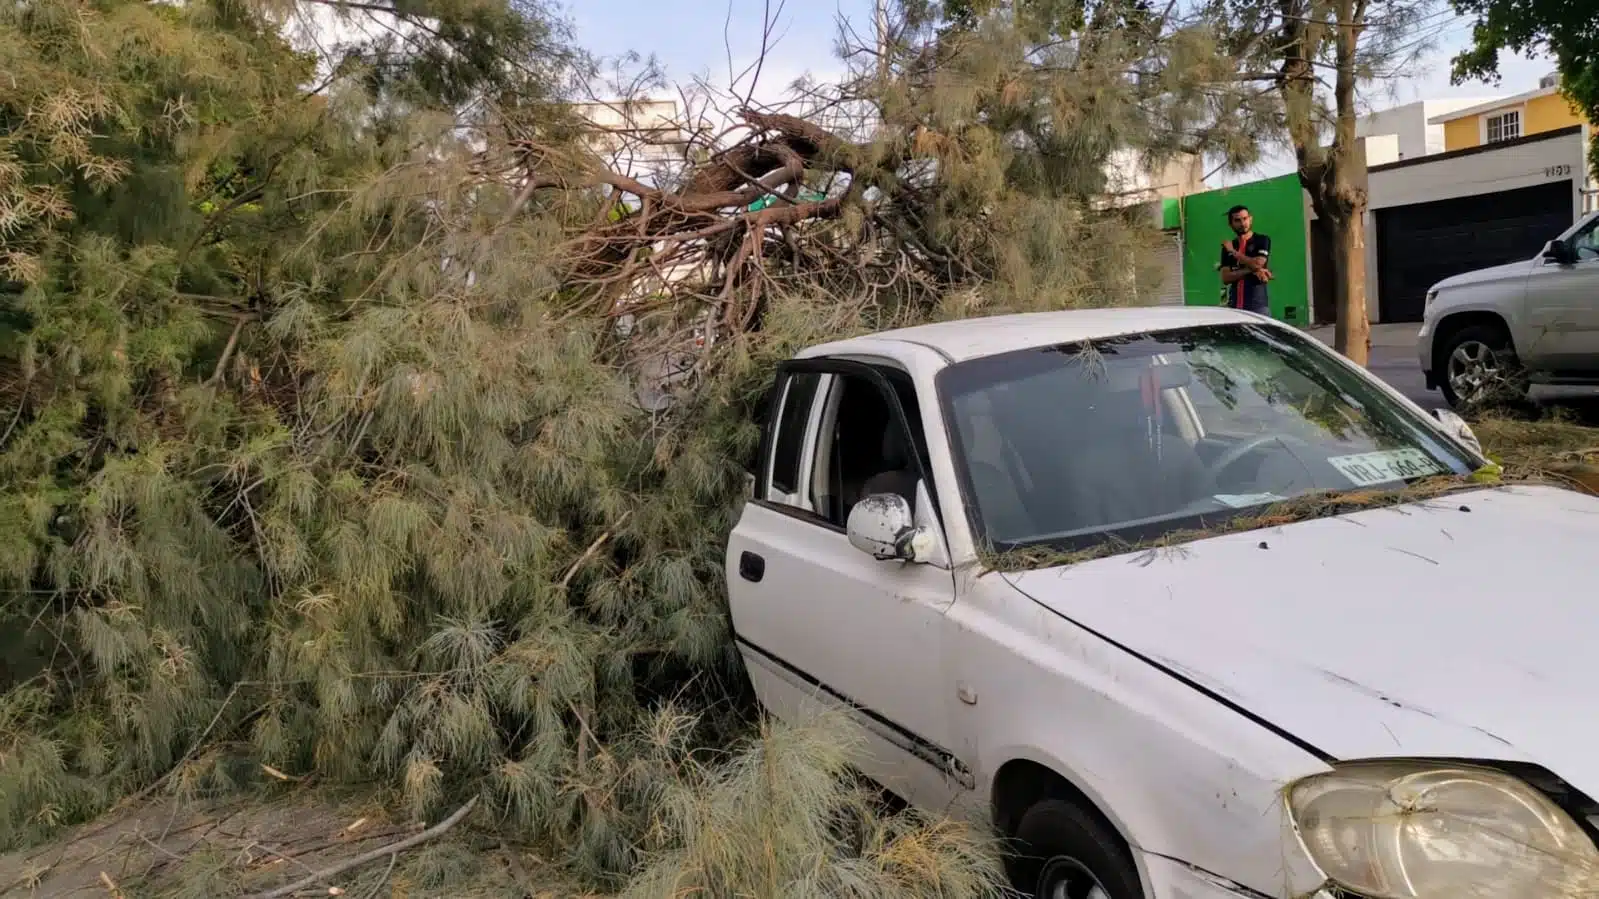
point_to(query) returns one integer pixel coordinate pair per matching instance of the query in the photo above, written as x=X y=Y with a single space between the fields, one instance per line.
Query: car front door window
x=865 y=447
x=791 y=454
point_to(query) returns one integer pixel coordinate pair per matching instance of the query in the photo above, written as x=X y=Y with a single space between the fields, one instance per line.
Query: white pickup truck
x=1510 y=326
x=1392 y=702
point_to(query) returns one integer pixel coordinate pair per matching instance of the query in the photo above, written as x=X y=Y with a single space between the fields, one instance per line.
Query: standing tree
x=1564 y=28
x=1317 y=53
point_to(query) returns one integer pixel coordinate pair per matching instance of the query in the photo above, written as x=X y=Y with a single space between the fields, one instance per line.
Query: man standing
x=1243 y=264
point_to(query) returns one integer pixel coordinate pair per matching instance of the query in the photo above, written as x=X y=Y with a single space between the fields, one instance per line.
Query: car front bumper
x=1424 y=354
x=1172 y=879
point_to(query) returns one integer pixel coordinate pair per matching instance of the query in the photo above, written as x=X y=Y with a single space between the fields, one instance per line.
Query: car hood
x=1464 y=626
x=1485 y=275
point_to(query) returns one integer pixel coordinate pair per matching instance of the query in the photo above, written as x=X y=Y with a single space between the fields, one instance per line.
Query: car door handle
x=751 y=567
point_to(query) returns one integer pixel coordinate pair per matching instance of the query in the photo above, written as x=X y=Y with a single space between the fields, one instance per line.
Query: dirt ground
x=161 y=848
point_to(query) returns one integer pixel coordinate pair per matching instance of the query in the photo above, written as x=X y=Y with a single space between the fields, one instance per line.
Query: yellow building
x=1524 y=115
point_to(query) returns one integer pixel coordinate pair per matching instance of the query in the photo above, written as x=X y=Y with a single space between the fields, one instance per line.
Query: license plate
x=1386 y=466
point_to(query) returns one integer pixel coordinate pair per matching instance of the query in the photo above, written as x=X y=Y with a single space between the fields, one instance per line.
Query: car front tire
x=1478 y=365
x=1061 y=851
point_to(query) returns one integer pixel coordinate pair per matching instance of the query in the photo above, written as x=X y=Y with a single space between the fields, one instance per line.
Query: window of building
x=1504 y=126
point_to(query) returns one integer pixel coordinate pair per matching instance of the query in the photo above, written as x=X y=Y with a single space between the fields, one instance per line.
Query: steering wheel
x=1213 y=472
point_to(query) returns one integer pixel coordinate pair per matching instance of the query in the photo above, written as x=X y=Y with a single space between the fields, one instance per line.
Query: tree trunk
x=1352 y=334
x=1333 y=174
x=1344 y=186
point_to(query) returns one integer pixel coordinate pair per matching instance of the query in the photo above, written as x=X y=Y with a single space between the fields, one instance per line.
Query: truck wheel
x=1061 y=851
x=1479 y=366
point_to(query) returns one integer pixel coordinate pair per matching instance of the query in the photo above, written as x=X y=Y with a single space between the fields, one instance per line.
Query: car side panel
x=1564 y=302
x=828 y=626
x=1504 y=298
x=1179 y=774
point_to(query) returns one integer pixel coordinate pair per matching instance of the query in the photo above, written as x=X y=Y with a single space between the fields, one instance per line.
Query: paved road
x=1393 y=358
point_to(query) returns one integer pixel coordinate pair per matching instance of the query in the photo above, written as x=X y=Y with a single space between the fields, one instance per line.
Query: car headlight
x=1412 y=830
x=1431 y=295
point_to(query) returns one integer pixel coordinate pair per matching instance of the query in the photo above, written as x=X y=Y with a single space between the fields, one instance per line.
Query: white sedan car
x=1387 y=697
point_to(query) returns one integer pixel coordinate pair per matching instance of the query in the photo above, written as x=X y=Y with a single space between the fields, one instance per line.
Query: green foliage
x=1059 y=85
x=1563 y=28
x=322 y=451
x=784 y=819
x=270 y=480
x=1015 y=135
x=1042 y=18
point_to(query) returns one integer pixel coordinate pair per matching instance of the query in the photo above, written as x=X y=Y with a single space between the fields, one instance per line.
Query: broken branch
x=393 y=849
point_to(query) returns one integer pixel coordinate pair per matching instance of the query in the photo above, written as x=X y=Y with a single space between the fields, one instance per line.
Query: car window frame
x=783 y=387
x=1589 y=229
x=831 y=367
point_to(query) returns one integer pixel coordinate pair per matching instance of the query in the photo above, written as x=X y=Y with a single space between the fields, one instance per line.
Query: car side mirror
x=1561 y=252
x=1457 y=428
x=884 y=527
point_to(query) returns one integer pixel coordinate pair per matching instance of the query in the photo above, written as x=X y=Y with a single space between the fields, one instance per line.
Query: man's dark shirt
x=1249 y=292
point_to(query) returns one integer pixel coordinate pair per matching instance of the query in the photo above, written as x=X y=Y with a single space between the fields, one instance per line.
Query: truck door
x=1565 y=299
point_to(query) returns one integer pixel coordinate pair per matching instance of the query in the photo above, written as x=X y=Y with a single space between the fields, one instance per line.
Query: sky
x=695 y=38
x=687 y=39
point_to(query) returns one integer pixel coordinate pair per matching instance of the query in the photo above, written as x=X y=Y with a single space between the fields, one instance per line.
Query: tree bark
x=1331 y=174
x=1352 y=333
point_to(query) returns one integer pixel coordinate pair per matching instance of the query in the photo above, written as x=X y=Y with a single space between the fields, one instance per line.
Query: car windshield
x=1134 y=437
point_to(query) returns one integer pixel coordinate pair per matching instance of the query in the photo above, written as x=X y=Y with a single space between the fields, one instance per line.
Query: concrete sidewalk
x=1400 y=335
x=1393 y=358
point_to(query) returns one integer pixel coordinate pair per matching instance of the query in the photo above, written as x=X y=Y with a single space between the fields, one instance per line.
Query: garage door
x=1424 y=243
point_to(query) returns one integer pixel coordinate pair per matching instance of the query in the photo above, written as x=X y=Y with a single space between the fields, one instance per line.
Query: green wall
x=1279 y=209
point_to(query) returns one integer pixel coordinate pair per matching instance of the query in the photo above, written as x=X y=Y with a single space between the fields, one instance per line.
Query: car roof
x=974 y=338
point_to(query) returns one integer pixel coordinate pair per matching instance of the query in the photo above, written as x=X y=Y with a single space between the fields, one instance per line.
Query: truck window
x=1586 y=242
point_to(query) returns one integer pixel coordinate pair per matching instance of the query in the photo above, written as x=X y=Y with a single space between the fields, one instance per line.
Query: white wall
x=1402 y=132
x=1590 y=199
x=1394 y=134
x=639 y=137
x=1484 y=172
x=1382 y=149
x=1128 y=176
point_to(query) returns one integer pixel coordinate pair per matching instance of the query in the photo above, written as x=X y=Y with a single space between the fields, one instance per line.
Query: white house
x=1406 y=132
x=1132 y=179
x=1432 y=217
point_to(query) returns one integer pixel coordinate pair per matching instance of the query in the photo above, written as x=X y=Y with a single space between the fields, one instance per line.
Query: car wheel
x=1061 y=851
x=1479 y=366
